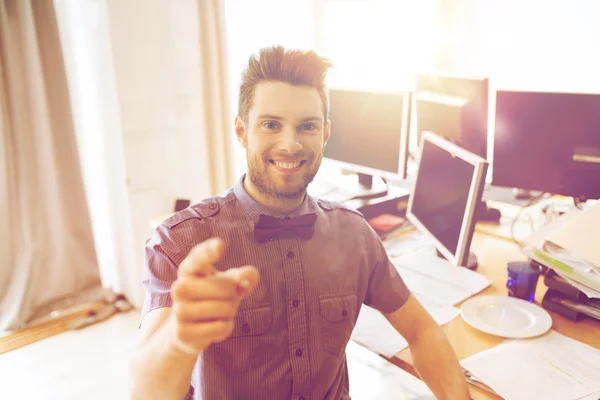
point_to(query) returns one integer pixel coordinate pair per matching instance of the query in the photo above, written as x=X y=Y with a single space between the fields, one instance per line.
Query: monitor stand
x=366 y=188
x=472 y=263
x=485 y=213
x=522 y=194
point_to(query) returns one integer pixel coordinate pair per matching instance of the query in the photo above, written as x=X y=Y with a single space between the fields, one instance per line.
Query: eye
x=308 y=126
x=271 y=125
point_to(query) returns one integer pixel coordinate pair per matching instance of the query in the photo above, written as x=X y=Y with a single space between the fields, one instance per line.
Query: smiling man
x=254 y=294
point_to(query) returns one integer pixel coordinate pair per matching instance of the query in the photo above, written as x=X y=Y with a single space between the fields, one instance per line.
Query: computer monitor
x=449 y=184
x=454 y=107
x=548 y=142
x=369 y=132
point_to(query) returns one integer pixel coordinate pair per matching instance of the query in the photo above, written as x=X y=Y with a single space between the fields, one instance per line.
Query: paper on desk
x=402 y=245
x=373 y=330
x=550 y=367
x=372 y=377
x=431 y=277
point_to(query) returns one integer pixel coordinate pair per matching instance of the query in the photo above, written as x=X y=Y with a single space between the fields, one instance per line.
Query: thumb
x=246 y=277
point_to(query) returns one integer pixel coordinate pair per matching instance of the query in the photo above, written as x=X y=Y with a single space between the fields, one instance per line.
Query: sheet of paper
x=580 y=235
x=402 y=245
x=372 y=377
x=550 y=367
x=589 y=292
x=373 y=330
x=428 y=276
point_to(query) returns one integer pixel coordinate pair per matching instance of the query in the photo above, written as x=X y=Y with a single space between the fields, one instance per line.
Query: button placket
x=296 y=316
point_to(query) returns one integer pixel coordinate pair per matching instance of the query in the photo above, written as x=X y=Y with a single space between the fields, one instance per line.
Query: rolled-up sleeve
x=169 y=246
x=386 y=290
x=160 y=271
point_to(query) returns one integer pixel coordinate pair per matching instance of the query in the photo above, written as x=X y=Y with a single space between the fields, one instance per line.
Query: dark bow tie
x=270 y=227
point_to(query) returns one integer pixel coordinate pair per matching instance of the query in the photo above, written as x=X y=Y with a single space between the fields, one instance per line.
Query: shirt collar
x=254 y=209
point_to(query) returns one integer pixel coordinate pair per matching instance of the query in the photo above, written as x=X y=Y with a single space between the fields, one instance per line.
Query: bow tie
x=270 y=227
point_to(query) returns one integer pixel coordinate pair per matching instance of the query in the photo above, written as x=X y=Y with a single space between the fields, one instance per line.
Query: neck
x=283 y=206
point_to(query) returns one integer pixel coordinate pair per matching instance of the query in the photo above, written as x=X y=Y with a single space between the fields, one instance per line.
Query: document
x=550 y=367
x=372 y=377
x=373 y=330
x=433 y=278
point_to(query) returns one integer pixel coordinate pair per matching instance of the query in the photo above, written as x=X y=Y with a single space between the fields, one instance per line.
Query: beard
x=290 y=188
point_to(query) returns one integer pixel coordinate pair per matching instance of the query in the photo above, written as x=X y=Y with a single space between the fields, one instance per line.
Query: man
x=211 y=321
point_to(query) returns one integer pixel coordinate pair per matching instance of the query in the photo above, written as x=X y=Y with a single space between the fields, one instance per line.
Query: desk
x=493 y=254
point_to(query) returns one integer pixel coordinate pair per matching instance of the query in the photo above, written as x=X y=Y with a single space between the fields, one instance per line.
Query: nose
x=289 y=142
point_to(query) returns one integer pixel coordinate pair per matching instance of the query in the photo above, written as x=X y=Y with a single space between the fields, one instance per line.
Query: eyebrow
x=278 y=118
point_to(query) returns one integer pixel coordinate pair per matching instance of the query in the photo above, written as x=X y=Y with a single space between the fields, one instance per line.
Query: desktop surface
x=493 y=255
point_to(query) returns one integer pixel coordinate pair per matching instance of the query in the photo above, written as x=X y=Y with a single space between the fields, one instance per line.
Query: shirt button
x=344 y=313
x=212 y=206
x=245 y=329
x=290 y=254
x=295 y=303
x=299 y=353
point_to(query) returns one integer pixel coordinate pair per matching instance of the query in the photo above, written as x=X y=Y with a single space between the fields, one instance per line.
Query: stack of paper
x=551 y=367
x=436 y=283
x=572 y=250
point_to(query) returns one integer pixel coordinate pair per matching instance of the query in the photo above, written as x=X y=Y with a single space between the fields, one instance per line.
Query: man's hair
x=296 y=67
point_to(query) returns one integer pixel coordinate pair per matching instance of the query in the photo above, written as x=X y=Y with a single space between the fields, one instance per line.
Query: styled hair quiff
x=275 y=63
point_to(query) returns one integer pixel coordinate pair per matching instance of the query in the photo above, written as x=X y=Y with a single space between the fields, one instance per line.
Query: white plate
x=505 y=316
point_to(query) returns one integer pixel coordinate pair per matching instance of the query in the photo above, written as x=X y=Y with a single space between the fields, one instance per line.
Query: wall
x=157 y=68
x=545 y=45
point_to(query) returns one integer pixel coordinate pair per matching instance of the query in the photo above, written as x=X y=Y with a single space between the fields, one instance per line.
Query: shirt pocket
x=338 y=316
x=249 y=344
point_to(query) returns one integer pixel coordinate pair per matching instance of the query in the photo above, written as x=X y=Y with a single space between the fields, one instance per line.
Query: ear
x=326 y=132
x=240 y=132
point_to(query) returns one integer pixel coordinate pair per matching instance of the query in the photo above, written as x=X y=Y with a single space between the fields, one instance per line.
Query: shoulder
x=335 y=206
x=207 y=209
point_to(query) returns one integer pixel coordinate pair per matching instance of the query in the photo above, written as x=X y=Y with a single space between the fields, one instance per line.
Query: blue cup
x=522 y=280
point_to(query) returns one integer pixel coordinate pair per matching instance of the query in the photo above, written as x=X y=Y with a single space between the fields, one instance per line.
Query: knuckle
x=228 y=310
x=224 y=328
x=179 y=311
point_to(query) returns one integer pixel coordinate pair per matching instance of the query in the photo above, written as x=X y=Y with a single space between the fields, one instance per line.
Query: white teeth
x=285 y=165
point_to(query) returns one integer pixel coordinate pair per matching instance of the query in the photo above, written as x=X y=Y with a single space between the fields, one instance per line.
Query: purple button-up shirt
x=290 y=335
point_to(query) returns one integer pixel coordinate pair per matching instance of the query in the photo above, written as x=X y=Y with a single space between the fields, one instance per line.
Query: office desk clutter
x=435 y=282
x=571 y=254
x=507 y=317
x=428 y=230
x=549 y=367
x=522 y=278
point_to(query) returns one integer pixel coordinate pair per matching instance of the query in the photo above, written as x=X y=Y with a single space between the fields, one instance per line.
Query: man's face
x=284 y=138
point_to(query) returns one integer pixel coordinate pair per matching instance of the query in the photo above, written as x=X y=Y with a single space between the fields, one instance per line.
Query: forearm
x=159 y=370
x=438 y=366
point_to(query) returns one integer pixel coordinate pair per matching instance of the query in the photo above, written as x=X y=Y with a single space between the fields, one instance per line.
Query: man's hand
x=205 y=301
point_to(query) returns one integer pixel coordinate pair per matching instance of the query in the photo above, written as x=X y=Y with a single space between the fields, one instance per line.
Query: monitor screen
x=449 y=183
x=369 y=131
x=454 y=107
x=548 y=142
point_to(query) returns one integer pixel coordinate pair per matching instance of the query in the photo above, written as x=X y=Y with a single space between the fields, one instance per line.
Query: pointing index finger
x=201 y=259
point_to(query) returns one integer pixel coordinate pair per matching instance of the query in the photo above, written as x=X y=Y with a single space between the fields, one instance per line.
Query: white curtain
x=46 y=243
x=86 y=42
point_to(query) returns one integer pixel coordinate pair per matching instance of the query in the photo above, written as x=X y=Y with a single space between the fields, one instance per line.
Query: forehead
x=286 y=100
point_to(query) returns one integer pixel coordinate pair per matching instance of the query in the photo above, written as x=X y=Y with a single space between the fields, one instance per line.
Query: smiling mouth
x=286 y=165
